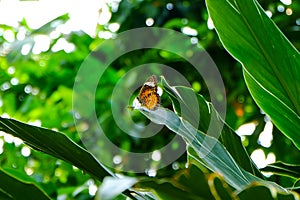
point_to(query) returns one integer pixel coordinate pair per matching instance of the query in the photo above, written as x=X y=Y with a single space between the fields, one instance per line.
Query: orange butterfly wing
x=148 y=96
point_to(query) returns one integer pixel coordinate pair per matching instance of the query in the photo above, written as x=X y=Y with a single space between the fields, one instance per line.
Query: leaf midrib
x=269 y=60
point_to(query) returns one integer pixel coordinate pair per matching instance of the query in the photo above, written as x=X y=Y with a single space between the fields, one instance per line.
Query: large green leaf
x=58 y=145
x=192 y=183
x=290 y=173
x=209 y=122
x=271 y=64
x=284 y=169
x=189 y=183
x=15 y=188
x=210 y=151
x=264 y=192
x=55 y=144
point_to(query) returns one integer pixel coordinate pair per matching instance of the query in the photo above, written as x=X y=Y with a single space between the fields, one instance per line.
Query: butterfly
x=149 y=96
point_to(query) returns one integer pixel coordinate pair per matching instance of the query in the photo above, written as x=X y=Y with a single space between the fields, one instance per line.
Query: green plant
x=218 y=168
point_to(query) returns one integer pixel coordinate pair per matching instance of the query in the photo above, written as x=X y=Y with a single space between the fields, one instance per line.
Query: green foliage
x=55 y=144
x=228 y=137
x=270 y=66
x=14 y=187
x=36 y=88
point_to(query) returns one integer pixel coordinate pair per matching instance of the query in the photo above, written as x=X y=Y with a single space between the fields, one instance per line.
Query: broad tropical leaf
x=55 y=144
x=15 y=188
x=209 y=122
x=211 y=152
x=271 y=65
